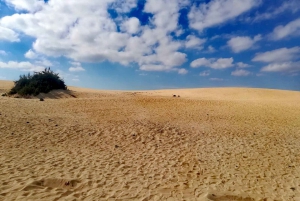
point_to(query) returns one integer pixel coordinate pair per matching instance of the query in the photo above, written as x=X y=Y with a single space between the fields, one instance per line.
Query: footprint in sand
x=52 y=183
x=225 y=197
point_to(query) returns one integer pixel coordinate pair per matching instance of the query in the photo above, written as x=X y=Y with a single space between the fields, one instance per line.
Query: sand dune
x=5 y=86
x=208 y=145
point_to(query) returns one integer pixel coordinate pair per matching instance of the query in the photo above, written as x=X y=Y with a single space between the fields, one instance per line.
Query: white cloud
x=182 y=71
x=2 y=52
x=241 y=72
x=179 y=32
x=289 y=5
x=291 y=29
x=288 y=67
x=211 y=49
x=29 y=5
x=242 y=65
x=239 y=44
x=216 y=79
x=132 y=25
x=204 y=73
x=31 y=54
x=124 y=6
x=200 y=62
x=280 y=60
x=38 y=59
x=44 y=62
x=67 y=76
x=76 y=67
x=84 y=31
x=7 y=34
x=221 y=63
x=194 y=43
x=218 y=12
x=278 y=55
x=24 y=66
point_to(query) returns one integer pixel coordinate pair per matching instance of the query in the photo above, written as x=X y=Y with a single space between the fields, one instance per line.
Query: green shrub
x=39 y=82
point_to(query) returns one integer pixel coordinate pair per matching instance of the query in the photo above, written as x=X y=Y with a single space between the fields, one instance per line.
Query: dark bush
x=39 y=82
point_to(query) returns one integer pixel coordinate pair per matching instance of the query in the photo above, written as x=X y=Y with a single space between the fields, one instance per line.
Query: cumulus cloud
x=221 y=63
x=278 y=55
x=194 y=43
x=38 y=59
x=216 y=12
x=239 y=44
x=132 y=25
x=124 y=6
x=7 y=34
x=85 y=31
x=200 y=62
x=76 y=67
x=2 y=52
x=67 y=76
x=44 y=62
x=291 y=29
x=288 y=67
x=280 y=60
x=31 y=54
x=242 y=65
x=24 y=66
x=28 y=5
x=241 y=72
x=182 y=71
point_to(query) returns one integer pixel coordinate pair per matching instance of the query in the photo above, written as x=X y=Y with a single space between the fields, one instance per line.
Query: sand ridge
x=113 y=145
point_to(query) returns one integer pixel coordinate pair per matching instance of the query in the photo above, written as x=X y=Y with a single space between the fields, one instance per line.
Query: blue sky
x=154 y=44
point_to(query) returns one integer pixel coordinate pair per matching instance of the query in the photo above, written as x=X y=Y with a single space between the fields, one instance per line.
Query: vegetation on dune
x=39 y=82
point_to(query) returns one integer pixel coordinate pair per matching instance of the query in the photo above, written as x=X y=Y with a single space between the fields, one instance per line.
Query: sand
x=5 y=86
x=209 y=144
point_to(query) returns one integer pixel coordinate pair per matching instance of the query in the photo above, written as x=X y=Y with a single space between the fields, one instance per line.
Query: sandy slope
x=5 y=85
x=210 y=144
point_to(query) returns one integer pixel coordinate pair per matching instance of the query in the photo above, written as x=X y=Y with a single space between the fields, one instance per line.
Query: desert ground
x=215 y=144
